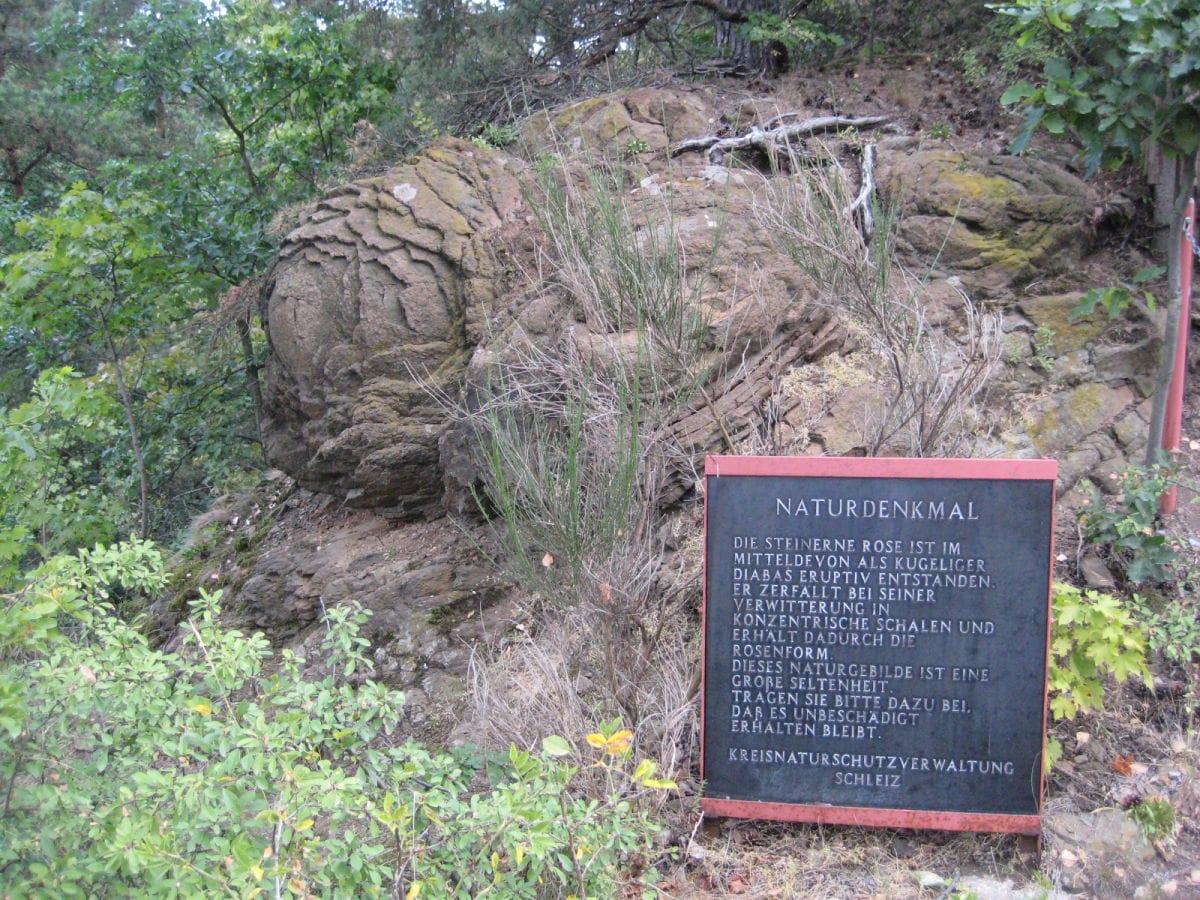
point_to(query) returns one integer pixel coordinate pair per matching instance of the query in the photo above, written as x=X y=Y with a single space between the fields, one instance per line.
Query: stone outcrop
x=998 y=222
x=368 y=306
x=284 y=556
x=381 y=297
x=640 y=124
x=395 y=288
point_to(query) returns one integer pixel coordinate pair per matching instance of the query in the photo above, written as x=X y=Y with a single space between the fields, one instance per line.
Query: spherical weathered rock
x=367 y=309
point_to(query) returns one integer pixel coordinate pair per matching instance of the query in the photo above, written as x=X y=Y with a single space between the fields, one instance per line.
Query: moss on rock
x=1055 y=315
x=1060 y=420
x=1001 y=222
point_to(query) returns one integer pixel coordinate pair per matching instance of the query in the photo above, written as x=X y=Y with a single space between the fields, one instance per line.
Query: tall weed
x=576 y=447
x=930 y=380
x=574 y=430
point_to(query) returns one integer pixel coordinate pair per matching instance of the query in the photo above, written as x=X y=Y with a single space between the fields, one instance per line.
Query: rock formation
x=396 y=288
x=371 y=301
x=1000 y=223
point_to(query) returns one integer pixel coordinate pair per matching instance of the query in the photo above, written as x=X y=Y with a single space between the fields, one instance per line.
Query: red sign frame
x=862 y=467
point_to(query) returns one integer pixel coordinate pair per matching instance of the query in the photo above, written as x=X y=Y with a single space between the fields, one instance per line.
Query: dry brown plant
x=555 y=681
x=931 y=379
x=575 y=449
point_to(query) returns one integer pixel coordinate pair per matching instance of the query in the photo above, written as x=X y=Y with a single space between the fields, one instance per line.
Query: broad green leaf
x=554 y=745
x=1016 y=93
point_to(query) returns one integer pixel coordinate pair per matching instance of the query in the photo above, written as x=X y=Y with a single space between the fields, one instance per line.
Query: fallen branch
x=775 y=137
x=862 y=203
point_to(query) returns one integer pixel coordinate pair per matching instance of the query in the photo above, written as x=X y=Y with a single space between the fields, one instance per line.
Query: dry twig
x=775 y=137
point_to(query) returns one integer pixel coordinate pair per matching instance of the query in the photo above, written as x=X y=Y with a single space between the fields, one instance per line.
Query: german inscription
x=877 y=642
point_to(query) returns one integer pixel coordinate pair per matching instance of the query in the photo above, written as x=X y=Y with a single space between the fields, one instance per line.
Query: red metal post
x=1173 y=423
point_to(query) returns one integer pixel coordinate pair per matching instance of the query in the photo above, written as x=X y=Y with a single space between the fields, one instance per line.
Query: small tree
x=1125 y=80
x=96 y=282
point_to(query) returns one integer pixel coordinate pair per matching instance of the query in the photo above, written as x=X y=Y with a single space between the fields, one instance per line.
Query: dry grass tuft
x=932 y=380
x=560 y=680
x=576 y=445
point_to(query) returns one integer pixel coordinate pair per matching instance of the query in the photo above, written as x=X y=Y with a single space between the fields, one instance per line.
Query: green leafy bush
x=1092 y=636
x=496 y=137
x=1156 y=817
x=53 y=497
x=1172 y=627
x=131 y=771
x=635 y=147
x=1043 y=348
x=1118 y=299
x=1129 y=526
x=529 y=832
x=1119 y=73
x=102 y=291
x=799 y=35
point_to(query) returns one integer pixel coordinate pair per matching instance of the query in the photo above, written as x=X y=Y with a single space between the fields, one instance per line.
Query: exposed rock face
x=385 y=288
x=286 y=556
x=392 y=285
x=999 y=222
x=639 y=123
x=370 y=297
x=430 y=595
x=757 y=308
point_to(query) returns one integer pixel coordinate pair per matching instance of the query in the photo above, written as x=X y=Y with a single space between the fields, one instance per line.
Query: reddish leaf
x=1122 y=765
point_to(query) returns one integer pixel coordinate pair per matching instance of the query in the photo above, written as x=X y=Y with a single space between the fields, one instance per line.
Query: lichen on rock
x=642 y=122
x=998 y=222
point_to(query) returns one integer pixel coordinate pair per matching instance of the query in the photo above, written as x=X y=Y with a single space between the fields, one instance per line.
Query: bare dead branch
x=775 y=137
x=862 y=203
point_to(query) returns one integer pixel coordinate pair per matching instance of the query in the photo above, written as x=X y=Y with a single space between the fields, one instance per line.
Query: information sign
x=875 y=640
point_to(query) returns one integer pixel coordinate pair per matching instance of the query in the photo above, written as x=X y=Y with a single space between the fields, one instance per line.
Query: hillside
x=360 y=364
x=495 y=258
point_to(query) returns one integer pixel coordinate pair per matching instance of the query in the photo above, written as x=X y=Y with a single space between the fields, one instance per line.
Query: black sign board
x=875 y=640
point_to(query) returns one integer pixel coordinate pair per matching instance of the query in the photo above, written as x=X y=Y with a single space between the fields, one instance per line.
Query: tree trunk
x=749 y=55
x=15 y=176
x=1180 y=176
x=1164 y=175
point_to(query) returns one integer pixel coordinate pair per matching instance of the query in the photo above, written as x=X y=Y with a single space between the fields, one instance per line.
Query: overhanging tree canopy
x=1125 y=80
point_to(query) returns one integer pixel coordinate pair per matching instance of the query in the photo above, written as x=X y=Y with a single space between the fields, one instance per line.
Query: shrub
x=930 y=381
x=575 y=432
x=131 y=771
x=529 y=831
x=1129 y=526
x=1092 y=636
x=1172 y=626
x=577 y=448
x=52 y=496
x=1156 y=817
